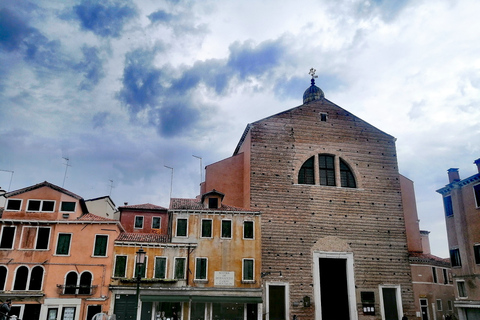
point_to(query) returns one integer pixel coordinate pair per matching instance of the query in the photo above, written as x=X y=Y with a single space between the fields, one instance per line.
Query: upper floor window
x=226 y=232
x=179 y=268
x=206 y=228
x=332 y=171
x=212 y=203
x=74 y=285
x=3 y=277
x=455 y=257
x=35 y=238
x=160 y=267
x=476 y=190
x=201 y=269
x=445 y=276
x=182 y=226
x=63 y=244
x=120 y=266
x=248 y=230
x=7 y=238
x=462 y=290
x=14 y=204
x=26 y=279
x=67 y=206
x=434 y=274
x=248 y=270
x=138 y=222
x=100 y=247
x=476 y=252
x=447 y=205
x=156 y=222
x=41 y=205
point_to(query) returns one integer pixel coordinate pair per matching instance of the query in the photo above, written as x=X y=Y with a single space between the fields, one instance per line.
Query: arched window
x=327 y=170
x=21 y=277
x=306 y=174
x=3 y=277
x=36 y=278
x=71 y=283
x=332 y=171
x=346 y=175
x=85 y=283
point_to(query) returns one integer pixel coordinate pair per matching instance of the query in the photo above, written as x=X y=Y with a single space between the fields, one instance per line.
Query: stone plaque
x=224 y=278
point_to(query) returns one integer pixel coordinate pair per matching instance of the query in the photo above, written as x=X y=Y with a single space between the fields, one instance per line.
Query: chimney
x=425 y=241
x=453 y=175
x=477 y=162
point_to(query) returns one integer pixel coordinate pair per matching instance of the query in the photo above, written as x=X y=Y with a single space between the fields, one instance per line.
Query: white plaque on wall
x=224 y=278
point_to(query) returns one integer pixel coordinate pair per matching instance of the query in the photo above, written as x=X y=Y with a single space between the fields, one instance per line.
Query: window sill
x=200 y=281
x=249 y=281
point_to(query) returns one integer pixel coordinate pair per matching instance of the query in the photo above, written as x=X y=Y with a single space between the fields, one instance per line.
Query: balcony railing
x=81 y=290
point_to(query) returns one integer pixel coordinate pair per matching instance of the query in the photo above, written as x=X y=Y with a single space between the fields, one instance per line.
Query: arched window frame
x=341 y=175
x=33 y=280
x=17 y=285
x=71 y=281
x=85 y=288
x=3 y=277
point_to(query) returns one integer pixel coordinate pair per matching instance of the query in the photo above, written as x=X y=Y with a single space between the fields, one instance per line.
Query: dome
x=313 y=93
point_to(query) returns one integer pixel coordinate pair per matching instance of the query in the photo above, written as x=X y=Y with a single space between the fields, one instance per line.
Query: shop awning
x=161 y=298
x=185 y=298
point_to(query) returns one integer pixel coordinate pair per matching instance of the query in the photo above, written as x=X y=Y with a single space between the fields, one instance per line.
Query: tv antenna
x=201 y=172
x=171 y=181
x=11 y=177
x=66 y=168
x=111 y=187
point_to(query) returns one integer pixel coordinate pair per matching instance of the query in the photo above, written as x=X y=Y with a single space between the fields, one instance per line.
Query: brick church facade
x=333 y=231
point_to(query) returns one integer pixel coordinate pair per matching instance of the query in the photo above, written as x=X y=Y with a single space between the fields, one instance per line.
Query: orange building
x=210 y=268
x=55 y=257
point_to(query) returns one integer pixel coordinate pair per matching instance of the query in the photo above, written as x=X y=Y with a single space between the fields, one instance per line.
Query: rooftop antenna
x=111 y=187
x=66 y=168
x=11 y=177
x=171 y=180
x=201 y=172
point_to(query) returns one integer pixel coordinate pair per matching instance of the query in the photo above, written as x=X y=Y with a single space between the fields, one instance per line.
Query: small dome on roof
x=313 y=93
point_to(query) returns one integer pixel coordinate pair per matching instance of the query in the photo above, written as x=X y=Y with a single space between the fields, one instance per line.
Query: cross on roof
x=312 y=73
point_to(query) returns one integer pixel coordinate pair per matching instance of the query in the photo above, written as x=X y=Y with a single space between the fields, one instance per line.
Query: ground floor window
x=197 y=311
x=169 y=310
x=230 y=311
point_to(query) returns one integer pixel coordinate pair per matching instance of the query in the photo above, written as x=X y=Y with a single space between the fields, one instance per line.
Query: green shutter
x=160 y=267
x=100 y=246
x=120 y=266
x=63 y=245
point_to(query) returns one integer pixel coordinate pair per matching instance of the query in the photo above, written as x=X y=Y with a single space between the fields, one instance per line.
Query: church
x=326 y=182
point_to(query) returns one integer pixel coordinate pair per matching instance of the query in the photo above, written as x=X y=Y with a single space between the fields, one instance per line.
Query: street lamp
x=140 y=261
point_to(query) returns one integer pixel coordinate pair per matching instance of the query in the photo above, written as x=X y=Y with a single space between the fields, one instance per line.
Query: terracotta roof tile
x=145 y=206
x=194 y=204
x=143 y=237
x=42 y=184
x=93 y=217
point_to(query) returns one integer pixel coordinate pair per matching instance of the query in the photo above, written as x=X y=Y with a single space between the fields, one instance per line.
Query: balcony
x=74 y=290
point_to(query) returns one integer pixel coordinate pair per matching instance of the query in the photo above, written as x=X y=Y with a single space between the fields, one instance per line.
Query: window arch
x=3 y=277
x=306 y=174
x=21 y=278
x=85 y=283
x=71 y=283
x=326 y=170
x=36 y=278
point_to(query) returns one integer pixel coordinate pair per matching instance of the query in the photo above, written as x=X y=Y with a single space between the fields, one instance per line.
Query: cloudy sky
x=124 y=88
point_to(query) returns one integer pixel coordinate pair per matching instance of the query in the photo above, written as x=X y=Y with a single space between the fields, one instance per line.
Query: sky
x=132 y=98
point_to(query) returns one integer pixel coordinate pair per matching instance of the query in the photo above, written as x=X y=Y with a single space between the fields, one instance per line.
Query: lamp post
x=140 y=261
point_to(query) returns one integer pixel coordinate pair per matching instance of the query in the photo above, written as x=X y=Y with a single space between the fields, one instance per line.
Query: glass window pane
x=8 y=234
x=43 y=237
x=226 y=229
x=14 y=204
x=206 y=228
x=156 y=222
x=68 y=206
x=179 y=268
x=139 y=222
x=33 y=205
x=201 y=269
x=63 y=245
x=248 y=229
x=182 y=227
x=160 y=267
x=120 y=266
x=100 y=245
x=48 y=206
x=248 y=269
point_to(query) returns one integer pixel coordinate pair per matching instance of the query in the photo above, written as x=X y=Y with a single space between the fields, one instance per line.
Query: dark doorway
x=252 y=311
x=334 y=289
x=93 y=310
x=424 y=308
x=390 y=303
x=276 y=302
x=125 y=307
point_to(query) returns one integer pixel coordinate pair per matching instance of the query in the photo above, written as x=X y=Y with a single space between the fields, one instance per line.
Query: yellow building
x=209 y=270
